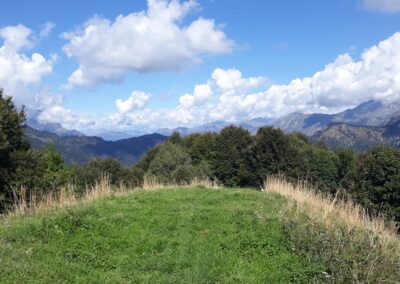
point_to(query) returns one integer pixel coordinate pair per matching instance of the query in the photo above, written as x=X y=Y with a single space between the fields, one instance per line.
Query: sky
x=143 y=65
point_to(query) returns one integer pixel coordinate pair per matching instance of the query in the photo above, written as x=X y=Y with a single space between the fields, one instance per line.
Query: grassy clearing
x=169 y=236
x=195 y=234
x=339 y=234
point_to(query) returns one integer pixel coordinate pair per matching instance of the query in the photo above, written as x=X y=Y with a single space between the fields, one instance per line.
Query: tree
x=11 y=141
x=270 y=153
x=230 y=156
x=96 y=169
x=321 y=166
x=201 y=147
x=376 y=181
x=346 y=165
x=172 y=163
x=41 y=171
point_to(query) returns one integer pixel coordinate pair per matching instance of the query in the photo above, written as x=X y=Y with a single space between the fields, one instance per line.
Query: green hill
x=167 y=236
x=287 y=234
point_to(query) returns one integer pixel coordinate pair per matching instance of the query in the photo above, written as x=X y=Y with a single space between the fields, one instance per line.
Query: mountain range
x=79 y=149
x=360 y=138
x=369 y=124
x=371 y=113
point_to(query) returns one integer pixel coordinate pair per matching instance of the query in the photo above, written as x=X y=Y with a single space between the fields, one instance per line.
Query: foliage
x=230 y=156
x=43 y=170
x=171 y=164
x=11 y=142
x=376 y=181
x=270 y=153
x=88 y=175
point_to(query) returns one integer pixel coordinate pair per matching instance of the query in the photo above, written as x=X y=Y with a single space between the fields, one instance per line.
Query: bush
x=93 y=171
x=376 y=181
x=229 y=161
x=170 y=164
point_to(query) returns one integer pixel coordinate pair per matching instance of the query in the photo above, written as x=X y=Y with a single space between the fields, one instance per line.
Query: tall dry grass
x=329 y=211
x=151 y=183
x=354 y=246
x=31 y=202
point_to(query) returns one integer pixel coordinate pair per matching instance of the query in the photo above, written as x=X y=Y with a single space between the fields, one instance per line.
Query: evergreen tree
x=11 y=142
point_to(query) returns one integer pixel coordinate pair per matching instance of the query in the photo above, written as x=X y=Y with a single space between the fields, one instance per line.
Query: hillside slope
x=360 y=138
x=371 y=113
x=166 y=236
x=81 y=149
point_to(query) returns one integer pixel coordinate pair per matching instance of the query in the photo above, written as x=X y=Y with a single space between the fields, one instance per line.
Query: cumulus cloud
x=197 y=107
x=342 y=84
x=152 y=40
x=137 y=100
x=231 y=81
x=386 y=6
x=229 y=96
x=16 y=37
x=18 y=71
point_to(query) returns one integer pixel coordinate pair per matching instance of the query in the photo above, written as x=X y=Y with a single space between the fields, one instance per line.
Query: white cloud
x=386 y=6
x=16 y=37
x=229 y=96
x=46 y=29
x=152 y=40
x=201 y=94
x=342 y=84
x=18 y=71
x=231 y=81
x=137 y=100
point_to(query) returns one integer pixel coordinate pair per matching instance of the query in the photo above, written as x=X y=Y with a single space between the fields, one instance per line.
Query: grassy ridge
x=352 y=245
x=169 y=236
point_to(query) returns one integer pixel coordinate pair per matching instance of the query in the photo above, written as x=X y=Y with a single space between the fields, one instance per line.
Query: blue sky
x=243 y=56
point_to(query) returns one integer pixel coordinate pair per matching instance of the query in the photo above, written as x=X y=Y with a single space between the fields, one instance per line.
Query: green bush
x=376 y=181
x=11 y=142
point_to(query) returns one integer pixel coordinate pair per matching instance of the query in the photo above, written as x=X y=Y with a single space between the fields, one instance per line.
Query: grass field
x=163 y=236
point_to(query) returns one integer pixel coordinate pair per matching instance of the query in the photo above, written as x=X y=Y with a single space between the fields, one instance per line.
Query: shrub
x=376 y=181
x=230 y=156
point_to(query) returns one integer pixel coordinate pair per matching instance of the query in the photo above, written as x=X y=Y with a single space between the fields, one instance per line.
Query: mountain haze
x=81 y=149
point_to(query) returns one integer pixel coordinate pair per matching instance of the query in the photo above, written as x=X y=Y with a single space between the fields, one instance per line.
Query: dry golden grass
x=30 y=202
x=353 y=247
x=330 y=211
x=26 y=202
x=151 y=183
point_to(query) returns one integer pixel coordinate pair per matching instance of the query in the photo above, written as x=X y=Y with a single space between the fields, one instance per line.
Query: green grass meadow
x=162 y=236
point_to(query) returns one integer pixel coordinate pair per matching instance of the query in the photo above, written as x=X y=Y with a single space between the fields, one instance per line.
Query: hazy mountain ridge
x=56 y=128
x=216 y=126
x=371 y=113
x=81 y=149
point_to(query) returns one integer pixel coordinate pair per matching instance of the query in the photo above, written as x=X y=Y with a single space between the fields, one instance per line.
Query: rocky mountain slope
x=360 y=138
x=371 y=113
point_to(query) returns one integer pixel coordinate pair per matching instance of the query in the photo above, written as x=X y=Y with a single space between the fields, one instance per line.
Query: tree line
x=233 y=158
